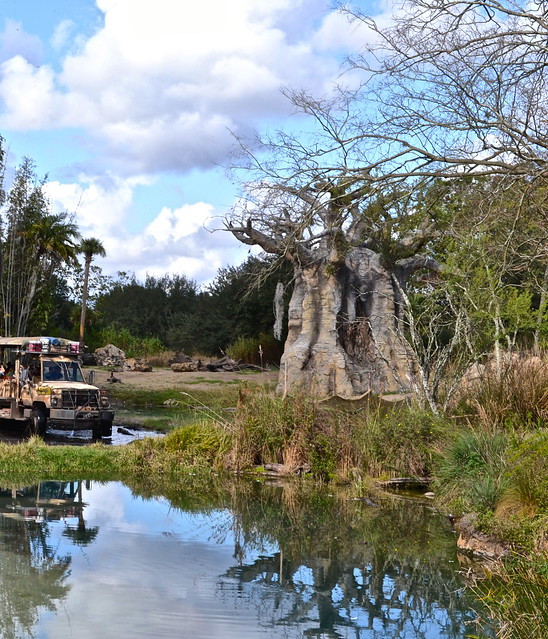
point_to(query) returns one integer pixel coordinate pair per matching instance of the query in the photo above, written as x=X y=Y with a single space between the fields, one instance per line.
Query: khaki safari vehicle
x=42 y=384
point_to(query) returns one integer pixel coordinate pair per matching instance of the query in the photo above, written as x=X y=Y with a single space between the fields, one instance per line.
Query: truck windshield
x=54 y=371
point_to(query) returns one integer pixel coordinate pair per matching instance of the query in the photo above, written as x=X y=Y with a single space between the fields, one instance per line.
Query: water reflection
x=33 y=573
x=83 y=560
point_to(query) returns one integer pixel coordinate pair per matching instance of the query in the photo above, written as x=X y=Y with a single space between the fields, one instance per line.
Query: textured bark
x=345 y=330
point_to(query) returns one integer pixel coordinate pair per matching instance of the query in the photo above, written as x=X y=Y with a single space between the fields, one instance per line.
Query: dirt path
x=165 y=378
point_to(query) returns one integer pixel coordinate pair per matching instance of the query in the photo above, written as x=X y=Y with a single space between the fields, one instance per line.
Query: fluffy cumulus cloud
x=188 y=239
x=163 y=82
x=159 y=88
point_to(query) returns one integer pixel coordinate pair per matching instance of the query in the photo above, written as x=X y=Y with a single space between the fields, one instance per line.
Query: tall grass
x=516 y=598
x=343 y=441
x=132 y=345
x=471 y=470
x=516 y=397
x=526 y=494
x=260 y=351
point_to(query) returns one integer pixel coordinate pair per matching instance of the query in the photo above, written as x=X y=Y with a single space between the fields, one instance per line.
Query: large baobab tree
x=450 y=88
x=89 y=247
x=353 y=250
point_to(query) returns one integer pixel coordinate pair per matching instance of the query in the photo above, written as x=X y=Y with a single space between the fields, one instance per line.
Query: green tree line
x=491 y=294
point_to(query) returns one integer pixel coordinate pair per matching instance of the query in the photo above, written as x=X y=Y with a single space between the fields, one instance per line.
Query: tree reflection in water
x=345 y=566
x=32 y=574
x=305 y=562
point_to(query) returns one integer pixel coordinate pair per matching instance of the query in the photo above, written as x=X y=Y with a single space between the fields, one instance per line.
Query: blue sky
x=128 y=105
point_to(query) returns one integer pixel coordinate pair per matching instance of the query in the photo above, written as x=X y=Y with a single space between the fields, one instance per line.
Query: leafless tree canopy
x=458 y=84
x=452 y=88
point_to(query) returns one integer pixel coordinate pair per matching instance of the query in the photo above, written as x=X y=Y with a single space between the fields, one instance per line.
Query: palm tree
x=90 y=247
x=49 y=240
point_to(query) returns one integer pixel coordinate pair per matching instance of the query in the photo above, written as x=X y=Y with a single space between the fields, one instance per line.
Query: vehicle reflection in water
x=83 y=560
x=34 y=573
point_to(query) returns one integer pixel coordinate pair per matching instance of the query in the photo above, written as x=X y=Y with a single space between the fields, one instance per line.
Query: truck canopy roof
x=41 y=344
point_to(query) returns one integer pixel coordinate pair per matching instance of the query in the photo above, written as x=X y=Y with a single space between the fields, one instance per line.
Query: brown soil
x=165 y=378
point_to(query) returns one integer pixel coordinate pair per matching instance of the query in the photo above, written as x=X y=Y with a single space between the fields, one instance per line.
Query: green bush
x=471 y=470
x=260 y=351
x=132 y=346
x=527 y=491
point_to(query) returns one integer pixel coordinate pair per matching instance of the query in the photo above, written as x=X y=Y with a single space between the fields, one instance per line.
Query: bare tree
x=457 y=86
x=353 y=251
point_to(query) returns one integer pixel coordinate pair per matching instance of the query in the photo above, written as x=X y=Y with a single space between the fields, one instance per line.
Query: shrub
x=199 y=445
x=514 y=398
x=132 y=345
x=246 y=349
x=470 y=471
x=527 y=491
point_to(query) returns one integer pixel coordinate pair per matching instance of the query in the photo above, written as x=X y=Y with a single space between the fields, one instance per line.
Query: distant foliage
x=132 y=345
x=262 y=350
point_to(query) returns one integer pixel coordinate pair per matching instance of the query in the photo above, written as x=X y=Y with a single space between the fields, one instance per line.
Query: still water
x=88 y=560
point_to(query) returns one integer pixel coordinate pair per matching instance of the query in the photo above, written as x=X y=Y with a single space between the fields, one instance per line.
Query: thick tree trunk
x=345 y=330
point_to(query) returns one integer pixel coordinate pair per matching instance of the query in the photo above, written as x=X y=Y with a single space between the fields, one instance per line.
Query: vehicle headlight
x=104 y=399
x=55 y=401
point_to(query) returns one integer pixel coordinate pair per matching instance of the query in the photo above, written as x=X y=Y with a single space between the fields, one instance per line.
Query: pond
x=86 y=560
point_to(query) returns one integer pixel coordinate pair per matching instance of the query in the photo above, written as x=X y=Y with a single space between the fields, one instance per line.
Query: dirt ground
x=165 y=378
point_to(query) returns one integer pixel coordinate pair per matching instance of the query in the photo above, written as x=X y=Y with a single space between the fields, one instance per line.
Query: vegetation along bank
x=485 y=459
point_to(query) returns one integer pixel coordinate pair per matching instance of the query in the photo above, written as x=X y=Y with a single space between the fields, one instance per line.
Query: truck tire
x=106 y=428
x=38 y=422
x=102 y=429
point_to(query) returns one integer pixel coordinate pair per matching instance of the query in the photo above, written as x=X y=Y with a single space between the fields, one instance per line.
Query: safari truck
x=42 y=384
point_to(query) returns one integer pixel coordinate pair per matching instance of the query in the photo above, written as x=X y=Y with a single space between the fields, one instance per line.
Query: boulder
x=473 y=541
x=184 y=367
x=110 y=355
x=137 y=364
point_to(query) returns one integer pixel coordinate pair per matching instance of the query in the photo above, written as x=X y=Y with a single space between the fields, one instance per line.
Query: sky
x=130 y=107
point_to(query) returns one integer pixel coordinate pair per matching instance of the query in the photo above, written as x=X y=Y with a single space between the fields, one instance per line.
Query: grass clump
x=515 y=597
x=526 y=494
x=346 y=441
x=200 y=446
x=471 y=470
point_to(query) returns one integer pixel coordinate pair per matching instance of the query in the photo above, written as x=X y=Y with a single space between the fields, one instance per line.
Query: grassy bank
x=487 y=456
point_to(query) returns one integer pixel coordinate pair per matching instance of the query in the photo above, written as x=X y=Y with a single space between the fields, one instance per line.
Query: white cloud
x=62 y=34
x=14 y=41
x=163 y=82
x=158 y=89
x=100 y=205
x=181 y=240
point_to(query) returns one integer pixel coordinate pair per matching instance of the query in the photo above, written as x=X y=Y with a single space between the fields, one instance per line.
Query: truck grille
x=80 y=398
